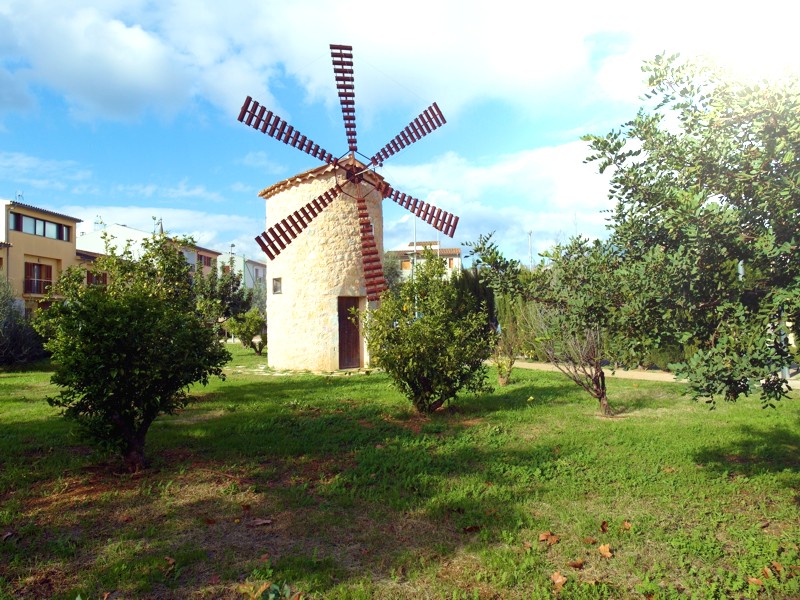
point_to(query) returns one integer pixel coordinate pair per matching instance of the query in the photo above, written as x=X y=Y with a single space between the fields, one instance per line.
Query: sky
x=125 y=111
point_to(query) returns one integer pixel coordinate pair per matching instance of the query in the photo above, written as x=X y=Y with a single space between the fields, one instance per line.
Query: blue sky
x=126 y=109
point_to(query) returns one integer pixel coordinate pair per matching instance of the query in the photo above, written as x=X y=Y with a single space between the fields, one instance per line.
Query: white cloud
x=548 y=191
x=120 y=58
x=213 y=230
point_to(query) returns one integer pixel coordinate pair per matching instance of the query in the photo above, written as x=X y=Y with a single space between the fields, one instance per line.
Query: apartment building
x=413 y=256
x=36 y=246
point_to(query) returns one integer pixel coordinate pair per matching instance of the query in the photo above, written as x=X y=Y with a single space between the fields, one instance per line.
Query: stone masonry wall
x=321 y=264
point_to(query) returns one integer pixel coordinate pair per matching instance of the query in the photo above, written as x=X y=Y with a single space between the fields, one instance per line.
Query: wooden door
x=349 y=337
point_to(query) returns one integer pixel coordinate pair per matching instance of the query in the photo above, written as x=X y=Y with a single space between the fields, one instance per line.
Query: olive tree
x=432 y=341
x=126 y=351
x=569 y=310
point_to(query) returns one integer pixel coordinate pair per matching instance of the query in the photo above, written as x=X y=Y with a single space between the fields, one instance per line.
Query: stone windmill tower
x=318 y=277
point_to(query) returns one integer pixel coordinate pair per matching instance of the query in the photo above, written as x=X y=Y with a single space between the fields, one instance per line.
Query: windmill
x=349 y=171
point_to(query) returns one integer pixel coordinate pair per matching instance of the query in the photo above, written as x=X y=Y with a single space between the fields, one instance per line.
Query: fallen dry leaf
x=210 y=521
x=777 y=566
x=259 y=522
x=767 y=573
x=577 y=564
x=605 y=550
x=669 y=469
x=245 y=507
x=589 y=540
x=626 y=525
x=527 y=545
x=549 y=537
x=6 y=535
x=558 y=580
x=754 y=581
x=764 y=524
x=213 y=580
x=604 y=526
x=106 y=595
x=171 y=563
x=471 y=528
x=264 y=558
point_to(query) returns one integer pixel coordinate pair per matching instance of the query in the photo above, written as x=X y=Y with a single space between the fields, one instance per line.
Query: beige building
x=315 y=282
x=412 y=256
x=36 y=246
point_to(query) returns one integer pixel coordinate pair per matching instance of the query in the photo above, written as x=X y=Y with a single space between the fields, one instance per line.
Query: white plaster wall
x=321 y=264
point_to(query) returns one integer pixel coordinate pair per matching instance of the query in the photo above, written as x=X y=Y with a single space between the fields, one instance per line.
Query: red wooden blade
x=370 y=257
x=431 y=118
x=342 y=57
x=258 y=117
x=440 y=219
x=275 y=239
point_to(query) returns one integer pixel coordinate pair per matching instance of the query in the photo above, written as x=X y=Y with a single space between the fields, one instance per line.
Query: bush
x=247 y=327
x=430 y=344
x=126 y=352
x=19 y=342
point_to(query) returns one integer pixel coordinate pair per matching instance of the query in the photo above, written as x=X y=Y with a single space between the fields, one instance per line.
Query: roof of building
x=316 y=173
x=14 y=204
x=445 y=252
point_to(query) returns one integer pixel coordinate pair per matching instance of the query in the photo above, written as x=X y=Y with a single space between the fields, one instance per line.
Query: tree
x=431 y=344
x=127 y=351
x=19 y=343
x=391 y=270
x=707 y=191
x=220 y=296
x=570 y=308
x=247 y=327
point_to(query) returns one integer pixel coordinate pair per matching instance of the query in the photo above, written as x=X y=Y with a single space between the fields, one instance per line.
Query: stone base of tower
x=315 y=281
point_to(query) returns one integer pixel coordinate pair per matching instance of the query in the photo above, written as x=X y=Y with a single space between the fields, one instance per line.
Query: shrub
x=19 y=342
x=431 y=345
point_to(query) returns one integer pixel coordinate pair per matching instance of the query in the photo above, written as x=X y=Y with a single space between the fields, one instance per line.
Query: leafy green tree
x=246 y=327
x=220 y=296
x=430 y=343
x=391 y=270
x=707 y=190
x=569 y=310
x=19 y=343
x=128 y=351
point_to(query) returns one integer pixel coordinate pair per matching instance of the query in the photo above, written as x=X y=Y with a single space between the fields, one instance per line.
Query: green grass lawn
x=335 y=486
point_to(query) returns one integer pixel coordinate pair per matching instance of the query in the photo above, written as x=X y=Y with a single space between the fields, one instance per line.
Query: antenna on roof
x=20 y=197
x=98 y=223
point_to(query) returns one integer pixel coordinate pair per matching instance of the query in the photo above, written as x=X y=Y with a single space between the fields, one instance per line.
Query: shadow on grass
x=759 y=450
x=351 y=480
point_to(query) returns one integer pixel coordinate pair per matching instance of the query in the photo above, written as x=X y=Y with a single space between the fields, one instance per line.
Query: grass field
x=333 y=485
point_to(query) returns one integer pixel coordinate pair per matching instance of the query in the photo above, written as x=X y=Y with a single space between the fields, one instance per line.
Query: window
x=449 y=263
x=37 y=278
x=96 y=278
x=205 y=260
x=34 y=226
x=405 y=264
x=276 y=286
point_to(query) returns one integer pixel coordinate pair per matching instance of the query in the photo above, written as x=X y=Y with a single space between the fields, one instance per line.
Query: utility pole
x=530 y=250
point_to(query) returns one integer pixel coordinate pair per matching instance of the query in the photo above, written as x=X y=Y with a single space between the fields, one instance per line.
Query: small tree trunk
x=599 y=385
x=133 y=455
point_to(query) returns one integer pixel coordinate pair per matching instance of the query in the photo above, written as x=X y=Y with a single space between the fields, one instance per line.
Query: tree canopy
x=431 y=339
x=707 y=221
x=127 y=350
